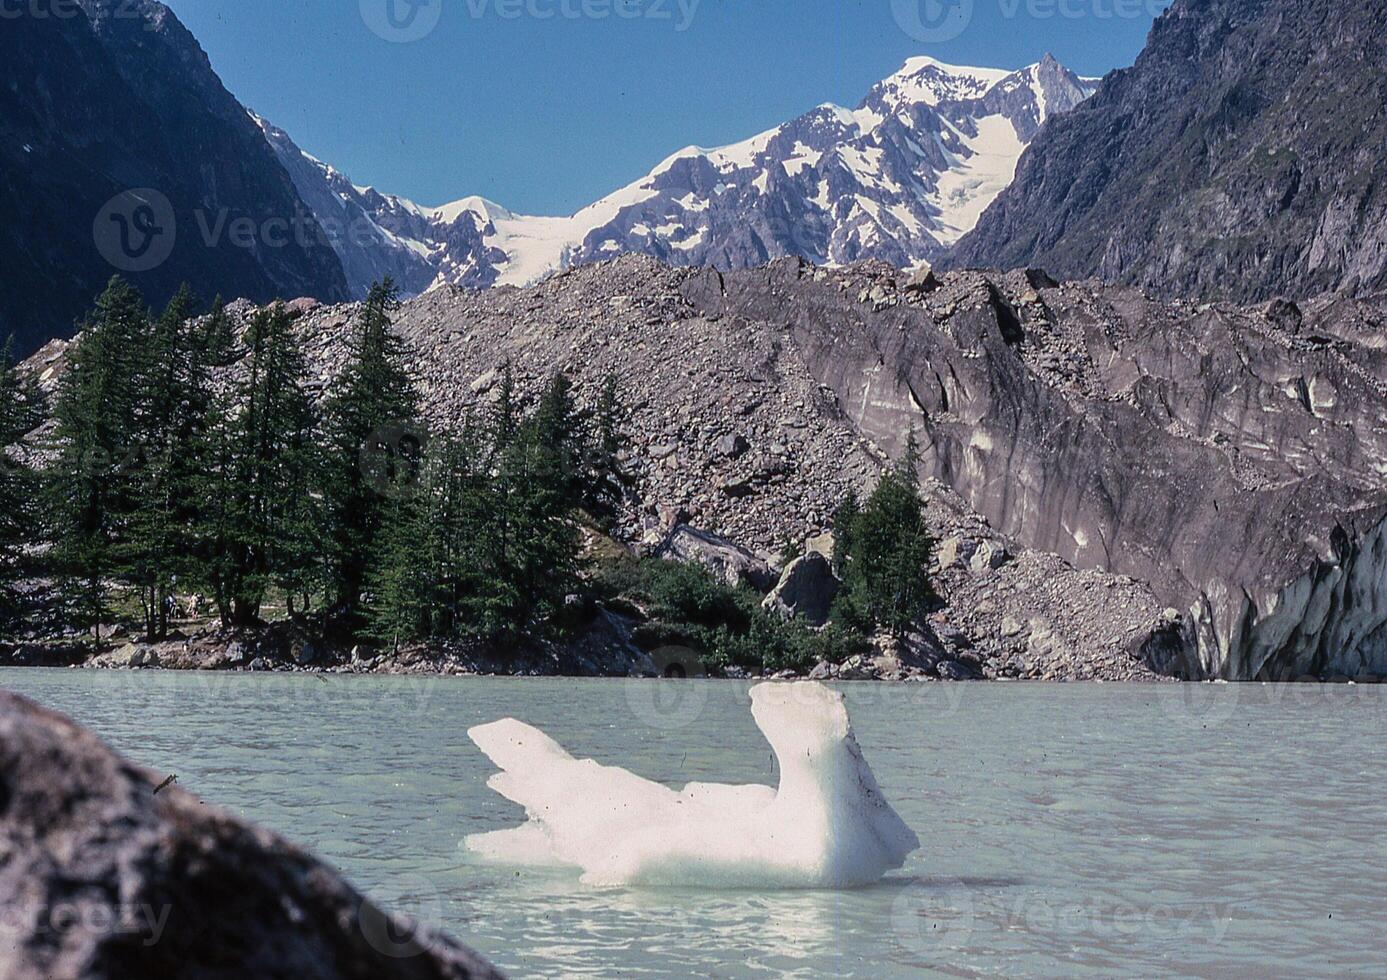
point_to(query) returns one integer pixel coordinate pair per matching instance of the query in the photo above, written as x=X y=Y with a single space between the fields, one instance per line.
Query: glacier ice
x=827 y=825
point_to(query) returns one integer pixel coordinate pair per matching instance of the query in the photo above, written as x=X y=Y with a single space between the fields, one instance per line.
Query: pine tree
x=504 y=413
x=535 y=538
x=19 y=413
x=218 y=336
x=172 y=417
x=372 y=426
x=603 y=488
x=844 y=520
x=422 y=571
x=559 y=433
x=886 y=553
x=261 y=531
x=90 y=483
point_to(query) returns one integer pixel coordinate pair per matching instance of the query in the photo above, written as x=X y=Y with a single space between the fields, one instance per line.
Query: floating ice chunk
x=826 y=826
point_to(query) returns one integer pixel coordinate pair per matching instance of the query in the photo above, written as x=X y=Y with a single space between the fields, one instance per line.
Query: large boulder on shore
x=806 y=589
x=103 y=876
x=732 y=564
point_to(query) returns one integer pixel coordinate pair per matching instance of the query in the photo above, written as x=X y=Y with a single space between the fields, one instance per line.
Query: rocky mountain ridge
x=116 y=96
x=1111 y=478
x=899 y=178
x=1239 y=158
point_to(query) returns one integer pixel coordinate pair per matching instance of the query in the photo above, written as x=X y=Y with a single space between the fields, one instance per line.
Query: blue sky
x=546 y=113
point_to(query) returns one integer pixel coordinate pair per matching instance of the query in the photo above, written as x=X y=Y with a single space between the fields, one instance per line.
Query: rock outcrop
x=731 y=564
x=107 y=871
x=806 y=589
x=1239 y=158
x=103 y=97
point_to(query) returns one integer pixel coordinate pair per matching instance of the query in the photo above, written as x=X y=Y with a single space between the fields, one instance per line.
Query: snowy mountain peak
x=926 y=80
x=900 y=178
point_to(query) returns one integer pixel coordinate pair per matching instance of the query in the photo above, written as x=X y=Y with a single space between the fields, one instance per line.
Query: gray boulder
x=732 y=565
x=113 y=877
x=806 y=589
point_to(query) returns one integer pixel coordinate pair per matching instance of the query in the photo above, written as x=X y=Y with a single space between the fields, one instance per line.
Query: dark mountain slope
x=1240 y=157
x=115 y=97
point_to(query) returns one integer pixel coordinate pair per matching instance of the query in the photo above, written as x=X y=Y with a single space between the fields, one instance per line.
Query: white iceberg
x=826 y=826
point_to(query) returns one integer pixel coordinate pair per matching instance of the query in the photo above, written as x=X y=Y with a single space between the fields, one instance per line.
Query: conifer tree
x=844 y=520
x=218 y=336
x=261 y=529
x=534 y=552
x=172 y=414
x=604 y=475
x=19 y=413
x=886 y=552
x=90 y=482
x=425 y=578
x=372 y=421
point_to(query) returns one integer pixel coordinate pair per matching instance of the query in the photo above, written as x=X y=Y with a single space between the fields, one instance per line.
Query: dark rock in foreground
x=102 y=876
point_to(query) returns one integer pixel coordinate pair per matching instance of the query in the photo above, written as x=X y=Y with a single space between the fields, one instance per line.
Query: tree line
x=166 y=477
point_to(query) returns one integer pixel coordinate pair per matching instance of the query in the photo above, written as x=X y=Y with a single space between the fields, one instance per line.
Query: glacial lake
x=1066 y=830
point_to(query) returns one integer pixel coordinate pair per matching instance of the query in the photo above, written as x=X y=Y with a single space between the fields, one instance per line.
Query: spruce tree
x=19 y=413
x=172 y=416
x=886 y=553
x=218 y=336
x=90 y=484
x=604 y=487
x=425 y=577
x=372 y=421
x=536 y=540
x=260 y=532
x=844 y=520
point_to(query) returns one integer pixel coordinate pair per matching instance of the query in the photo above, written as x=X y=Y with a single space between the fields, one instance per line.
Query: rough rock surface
x=100 y=97
x=102 y=875
x=1225 y=462
x=1239 y=158
x=730 y=563
x=806 y=588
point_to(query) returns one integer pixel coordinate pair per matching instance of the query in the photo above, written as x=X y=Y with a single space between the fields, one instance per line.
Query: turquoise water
x=1067 y=830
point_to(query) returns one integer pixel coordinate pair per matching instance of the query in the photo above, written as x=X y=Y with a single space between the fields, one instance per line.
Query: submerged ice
x=827 y=825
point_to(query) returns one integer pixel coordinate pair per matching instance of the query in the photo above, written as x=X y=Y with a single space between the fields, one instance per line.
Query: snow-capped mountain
x=900 y=178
